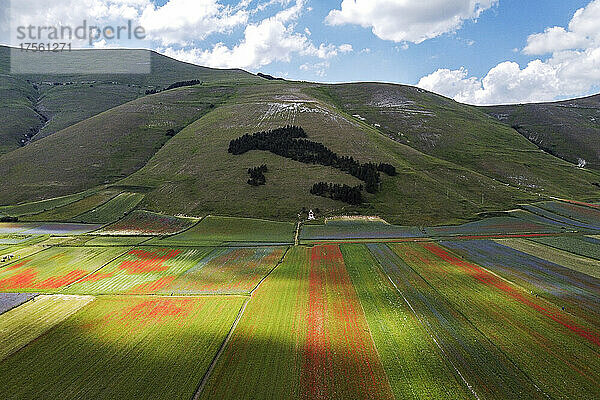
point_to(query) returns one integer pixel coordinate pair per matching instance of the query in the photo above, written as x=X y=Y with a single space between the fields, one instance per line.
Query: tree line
x=257 y=175
x=192 y=82
x=348 y=194
x=290 y=142
x=174 y=86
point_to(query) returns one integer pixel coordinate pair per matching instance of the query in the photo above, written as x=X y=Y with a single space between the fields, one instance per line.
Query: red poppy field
x=54 y=269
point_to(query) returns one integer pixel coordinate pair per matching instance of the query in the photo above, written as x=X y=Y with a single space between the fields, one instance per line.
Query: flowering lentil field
x=147 y=223
x=142 y=270
x=578 y=212
x=578 y=292
x=227 y=270
x=228 y=308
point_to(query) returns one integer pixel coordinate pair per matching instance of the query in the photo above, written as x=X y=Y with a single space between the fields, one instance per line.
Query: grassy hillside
x=568 y=129
x=17 y=114
x=70 y=98
x=210 y=180
x=104 y=148
x=460 y=134
x=454 y=161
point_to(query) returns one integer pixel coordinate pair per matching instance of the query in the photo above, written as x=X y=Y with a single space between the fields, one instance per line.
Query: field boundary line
x=129 y=248
x=19 y=305
x=297 y=233
x=99 y=205
x=185 y=230
x=181 y=296
x=213 y=363
x=177 y=296
x=270 y=272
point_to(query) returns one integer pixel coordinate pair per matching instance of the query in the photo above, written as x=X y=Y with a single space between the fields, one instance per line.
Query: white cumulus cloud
x=408 y=20
x=272 y=39
x=572 y=67
x=183 y=21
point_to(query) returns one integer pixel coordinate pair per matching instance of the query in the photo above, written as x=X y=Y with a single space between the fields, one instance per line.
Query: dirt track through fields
x=210 y=369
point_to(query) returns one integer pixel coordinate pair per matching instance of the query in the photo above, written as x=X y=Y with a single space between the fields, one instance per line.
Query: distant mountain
x=567 y=129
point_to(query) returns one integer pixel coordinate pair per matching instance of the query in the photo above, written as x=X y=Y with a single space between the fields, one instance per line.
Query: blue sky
x=476 y=51
x=495 y=34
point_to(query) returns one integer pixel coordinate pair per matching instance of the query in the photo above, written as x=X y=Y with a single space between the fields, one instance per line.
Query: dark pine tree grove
x=348 y=194
x=257 y=175
x=387 y=169
x=290 y=142
x=183 y=83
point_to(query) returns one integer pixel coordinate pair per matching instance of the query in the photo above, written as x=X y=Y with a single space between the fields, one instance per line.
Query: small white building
x=311 y=215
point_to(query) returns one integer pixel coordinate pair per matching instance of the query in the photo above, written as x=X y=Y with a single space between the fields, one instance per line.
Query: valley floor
x=150 y=306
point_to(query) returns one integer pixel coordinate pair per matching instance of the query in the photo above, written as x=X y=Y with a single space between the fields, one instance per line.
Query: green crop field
x=414 y=364
x=71 y=210
x=43 y=205
x=481 y=366
x=536 y=341
x=356 y=229
x=23 y=324
x=215 y=230
x=307 y=328
x=147 y=223
x=196 y=233
x=578 y=263
x=405 y=320
x=115 y=241
x=123 y=347
x=112 y=210
x=18 y=252
x=574 y=245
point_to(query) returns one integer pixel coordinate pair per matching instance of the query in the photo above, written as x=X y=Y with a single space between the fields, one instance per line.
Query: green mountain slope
x=17 y=112
x=104 y=148
x=210 y=180
x=67 y=99
x=568 y=129
x=454 y=161
x=461 y=134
